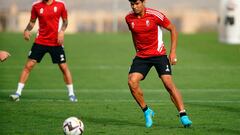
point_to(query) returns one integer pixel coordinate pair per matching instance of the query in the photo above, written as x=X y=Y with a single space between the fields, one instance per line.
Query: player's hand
x=27 y=35
x=4 y=55
x=60 y=37
x=173 y=58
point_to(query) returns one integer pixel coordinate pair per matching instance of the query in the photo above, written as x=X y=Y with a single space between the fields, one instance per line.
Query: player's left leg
x=58 y=57
x=68 y=80
x=163 y=68
x=174 y=93
x=176 y=98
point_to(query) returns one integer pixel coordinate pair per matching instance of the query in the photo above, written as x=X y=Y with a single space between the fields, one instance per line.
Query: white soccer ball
x=73 y=126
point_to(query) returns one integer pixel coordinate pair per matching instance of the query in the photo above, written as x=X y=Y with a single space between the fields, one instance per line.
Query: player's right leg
x=35 y=55
x=23 y=78
x=133 y=82
x=138 y=71
x=148 y=114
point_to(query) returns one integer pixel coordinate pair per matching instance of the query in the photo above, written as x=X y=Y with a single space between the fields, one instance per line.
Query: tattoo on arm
x=30 y=25
x=64 y=25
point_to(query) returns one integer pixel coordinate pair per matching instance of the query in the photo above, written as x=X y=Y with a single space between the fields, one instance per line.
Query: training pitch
x=207 y=74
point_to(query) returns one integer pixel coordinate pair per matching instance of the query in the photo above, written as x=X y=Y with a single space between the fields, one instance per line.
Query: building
x=108 y=15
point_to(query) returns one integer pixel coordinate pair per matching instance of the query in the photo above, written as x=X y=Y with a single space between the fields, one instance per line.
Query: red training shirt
x=49 y=18
x=147 y=32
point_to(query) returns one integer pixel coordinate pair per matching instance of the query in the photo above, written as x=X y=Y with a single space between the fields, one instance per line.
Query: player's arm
x=134 y=42
x=27 y=30
x=64 y=25
x=173 y=56
x=61 y=32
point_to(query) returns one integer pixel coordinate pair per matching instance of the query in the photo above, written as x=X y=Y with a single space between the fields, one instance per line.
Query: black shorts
x=143 y=65
x=38 y=51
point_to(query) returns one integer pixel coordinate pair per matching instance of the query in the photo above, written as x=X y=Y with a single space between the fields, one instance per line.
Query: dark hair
x=134 y=0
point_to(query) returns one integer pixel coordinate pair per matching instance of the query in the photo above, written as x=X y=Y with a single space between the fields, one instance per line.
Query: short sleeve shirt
x=147 y=32
x=49 y=21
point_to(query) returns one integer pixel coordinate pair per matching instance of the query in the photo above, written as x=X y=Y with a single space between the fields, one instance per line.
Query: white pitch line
x=120 y=90
x=126 y=101
x=111 y=67
x=98 y=67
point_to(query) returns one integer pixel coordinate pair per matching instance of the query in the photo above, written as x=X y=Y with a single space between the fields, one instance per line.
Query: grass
x=207 y=74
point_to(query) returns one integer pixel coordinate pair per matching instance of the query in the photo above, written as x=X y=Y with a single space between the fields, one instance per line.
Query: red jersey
x=49 y=18
x=147 y=32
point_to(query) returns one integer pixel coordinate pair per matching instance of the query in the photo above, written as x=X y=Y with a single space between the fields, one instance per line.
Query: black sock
x=145 y=108
x=182 y=114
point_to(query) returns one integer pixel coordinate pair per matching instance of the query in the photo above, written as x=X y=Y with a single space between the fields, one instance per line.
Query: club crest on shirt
x=132 y=25
x=55 y=9
x=41 y=11
x=147 y=23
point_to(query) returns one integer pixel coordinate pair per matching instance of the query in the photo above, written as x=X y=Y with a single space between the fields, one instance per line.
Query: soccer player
x=146 y=27
x=4 y=55
x=49 y=39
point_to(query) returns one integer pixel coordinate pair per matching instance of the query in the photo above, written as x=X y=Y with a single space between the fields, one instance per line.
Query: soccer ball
x=73 y=126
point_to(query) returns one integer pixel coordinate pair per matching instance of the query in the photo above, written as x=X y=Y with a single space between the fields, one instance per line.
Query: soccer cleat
x=73 y=98
x=186 y=121
x=15 y=97
x=148 y=114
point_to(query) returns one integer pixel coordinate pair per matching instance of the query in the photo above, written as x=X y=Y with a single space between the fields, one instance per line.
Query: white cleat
x=15 y=97
x=73 y=98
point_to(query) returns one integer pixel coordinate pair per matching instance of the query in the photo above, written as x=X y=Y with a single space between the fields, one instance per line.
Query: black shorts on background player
x=56 y=52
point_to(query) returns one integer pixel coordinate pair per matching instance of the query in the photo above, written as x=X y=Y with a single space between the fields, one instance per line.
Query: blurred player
x=146 y=26
x=49 y=39
x=4 y=55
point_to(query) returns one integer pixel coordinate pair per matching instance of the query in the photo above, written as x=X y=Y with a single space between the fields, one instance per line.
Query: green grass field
x=207 y=74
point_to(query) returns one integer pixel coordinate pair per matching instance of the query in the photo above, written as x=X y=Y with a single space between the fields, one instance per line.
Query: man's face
x=137 y=7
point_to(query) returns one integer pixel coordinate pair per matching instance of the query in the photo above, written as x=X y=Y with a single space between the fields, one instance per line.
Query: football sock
x=145 y=108
x=70 y=89
x=182 y=113
x=20 y=88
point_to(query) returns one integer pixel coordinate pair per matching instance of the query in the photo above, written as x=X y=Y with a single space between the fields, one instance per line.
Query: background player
x=146 y=26
x=49 y=39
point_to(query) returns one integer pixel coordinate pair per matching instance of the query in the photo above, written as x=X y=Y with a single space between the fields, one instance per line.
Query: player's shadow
x=111 y=121
x=127 y=123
